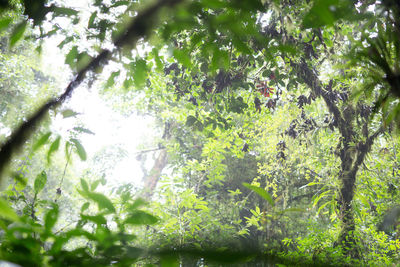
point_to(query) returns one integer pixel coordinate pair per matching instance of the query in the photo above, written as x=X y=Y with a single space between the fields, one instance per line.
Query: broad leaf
x=51 y=217
x=53 y=148
x=69 y=113
x=261 y=192
x=91 y=20
x=63 y=11
x=85 y=206
x=139 y=202
x=102 y=201
x=40 y=182
x=79 y=149
x=111 y=80
x=21 y=181
x=97 y=219
x=41 y=141
x=120 y=3
x=7 y=212
x=83 y=130
x=190 y=120
x=17 y=33
x=183 y=57
x=139 y=73
x=94 y=185
x=84 y=185
x=71 y=57
x=4 y=23
x=139 y=217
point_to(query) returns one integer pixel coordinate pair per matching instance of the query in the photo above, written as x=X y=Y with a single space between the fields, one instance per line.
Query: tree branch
x=138 y=28
x=313 y=82
x=365 y=147
x=149 y=150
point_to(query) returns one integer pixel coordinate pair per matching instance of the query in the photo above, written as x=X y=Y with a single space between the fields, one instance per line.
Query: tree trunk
x=345 y=199
x=151 y=180
x=351 y=156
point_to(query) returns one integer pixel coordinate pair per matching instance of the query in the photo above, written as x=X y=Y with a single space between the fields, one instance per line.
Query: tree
x=226 y=79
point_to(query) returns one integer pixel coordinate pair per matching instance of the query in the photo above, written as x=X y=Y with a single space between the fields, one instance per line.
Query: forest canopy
x=275 y=144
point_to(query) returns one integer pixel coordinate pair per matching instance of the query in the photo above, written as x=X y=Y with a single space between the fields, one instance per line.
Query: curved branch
x=365 y=147
x=138 y=28
x=311 y=79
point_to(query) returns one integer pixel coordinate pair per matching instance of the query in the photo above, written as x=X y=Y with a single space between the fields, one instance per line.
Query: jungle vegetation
x=276 y=139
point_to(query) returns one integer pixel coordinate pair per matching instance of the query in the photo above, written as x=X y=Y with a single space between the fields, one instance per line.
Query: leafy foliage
x=279 y=139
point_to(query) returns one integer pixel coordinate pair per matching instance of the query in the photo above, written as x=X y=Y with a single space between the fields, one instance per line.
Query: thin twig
x=66 y=165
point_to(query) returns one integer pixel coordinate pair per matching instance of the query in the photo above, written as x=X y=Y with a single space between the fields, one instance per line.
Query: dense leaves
x=278 y=142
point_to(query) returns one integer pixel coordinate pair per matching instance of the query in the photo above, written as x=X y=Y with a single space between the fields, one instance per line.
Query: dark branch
x=136 y=30
x=365 y=147
x=311 y=79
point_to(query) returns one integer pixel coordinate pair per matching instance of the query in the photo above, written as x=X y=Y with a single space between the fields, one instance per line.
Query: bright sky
x=111 y=128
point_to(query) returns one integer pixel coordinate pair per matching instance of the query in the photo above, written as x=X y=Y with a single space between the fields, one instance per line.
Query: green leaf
x=127 y=83
x=84 y=185
x=241 y=46
x=158 y=60
x=83 y=130
x=111 y=80
x=83 y=60
x=220 y=60
x=199 y=126
x=17 y=33
x=42 y=140
x=64 y=11
x=85 y=206
x=21 y=181
x=190 y=120
x=79 y=232
x=102 y=201
x=322 y=207
x=320 y=14
x=139 y=217
x=71 y=57
x=51 y=217
x=79 y=149
x=139 y=202
x=183 y=57
x=67 y=40
x=91 y=20
x=95 y=184
x=67 y=150
x=4 y=23
x=97 y=219
x=68 y=113
x=261 y=192
x=290 y=49
x=327 y=12
x=320 y=196
x=139 y=71
x=53 y=148
x=7 y=212
x=120 y=3
x=214 y=4
x=40 y=182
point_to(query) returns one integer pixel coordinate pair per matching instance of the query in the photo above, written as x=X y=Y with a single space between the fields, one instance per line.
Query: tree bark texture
x=352 y=151
x=151 y=179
